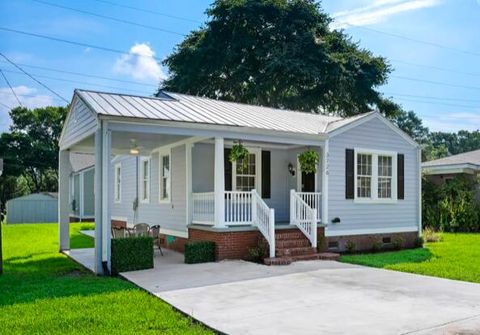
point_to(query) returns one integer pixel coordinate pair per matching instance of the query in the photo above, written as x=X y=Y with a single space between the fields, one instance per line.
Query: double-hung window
x=145 y=179
x=164 y=176
x=246 y=175
x=118 y=183
x=375 y=176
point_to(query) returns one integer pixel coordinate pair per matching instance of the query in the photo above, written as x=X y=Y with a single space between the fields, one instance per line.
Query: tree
x=30 y=149
x=278 y=53
x=411 y=124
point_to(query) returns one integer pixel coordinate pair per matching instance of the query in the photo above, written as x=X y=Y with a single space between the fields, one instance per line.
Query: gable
x=81 y=122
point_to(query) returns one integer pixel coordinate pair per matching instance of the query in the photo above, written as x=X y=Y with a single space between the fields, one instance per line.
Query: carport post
x=64 y=171
x=98 y=201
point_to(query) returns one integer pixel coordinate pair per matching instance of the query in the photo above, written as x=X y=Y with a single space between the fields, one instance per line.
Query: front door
x=308 y=182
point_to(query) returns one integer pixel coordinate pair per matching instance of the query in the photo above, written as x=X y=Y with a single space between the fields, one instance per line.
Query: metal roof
x=186 y=108
x=471 y=157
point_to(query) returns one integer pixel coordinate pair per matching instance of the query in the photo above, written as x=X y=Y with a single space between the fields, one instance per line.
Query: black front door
x=308 y=182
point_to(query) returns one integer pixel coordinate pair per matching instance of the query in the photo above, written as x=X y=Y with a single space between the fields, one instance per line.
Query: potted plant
x=239 y=154
x=309 y=161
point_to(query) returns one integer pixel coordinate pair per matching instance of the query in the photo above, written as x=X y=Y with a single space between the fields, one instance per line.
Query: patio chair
x=141 y=229
x=119 y=232
x=158 y=239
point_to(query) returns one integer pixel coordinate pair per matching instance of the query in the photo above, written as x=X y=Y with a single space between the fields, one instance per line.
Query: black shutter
x=228 y=169
x=349 y=174
x=266 y=175
x=401 y=176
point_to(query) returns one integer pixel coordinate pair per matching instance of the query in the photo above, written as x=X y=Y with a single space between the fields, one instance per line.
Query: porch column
x=325 y=183
x=64 y=171
x=107 y=191
x=188 y=173
x=219 y=183
x=98 y=200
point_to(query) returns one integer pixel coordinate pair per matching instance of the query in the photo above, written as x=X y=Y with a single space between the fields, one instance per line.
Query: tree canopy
x=278 y=53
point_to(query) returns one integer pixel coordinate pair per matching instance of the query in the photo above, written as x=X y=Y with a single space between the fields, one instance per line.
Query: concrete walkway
x=313 y=297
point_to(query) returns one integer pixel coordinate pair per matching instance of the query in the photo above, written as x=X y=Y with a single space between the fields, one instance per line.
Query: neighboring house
x=82 y=199
x=444 y=169
x=33 y=208
x=165 y=161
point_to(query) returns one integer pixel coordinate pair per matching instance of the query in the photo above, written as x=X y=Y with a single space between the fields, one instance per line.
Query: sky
x=432 y=45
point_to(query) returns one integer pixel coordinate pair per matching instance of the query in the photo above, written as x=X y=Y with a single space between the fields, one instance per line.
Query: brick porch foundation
x=366 y=242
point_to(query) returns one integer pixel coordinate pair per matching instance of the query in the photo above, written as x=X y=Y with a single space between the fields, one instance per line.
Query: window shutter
x=266 y=175
x=227 y=169
x=349 y=174
x=401 y=176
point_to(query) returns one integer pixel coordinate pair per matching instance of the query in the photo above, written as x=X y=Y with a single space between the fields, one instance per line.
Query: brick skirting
x=366 y=242
x=174 y=243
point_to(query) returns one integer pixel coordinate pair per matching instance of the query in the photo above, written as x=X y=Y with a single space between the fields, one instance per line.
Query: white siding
x=373 y=134
x=81 y=122
x=168 y=215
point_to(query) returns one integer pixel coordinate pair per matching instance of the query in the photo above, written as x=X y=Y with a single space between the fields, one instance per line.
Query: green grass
x=457 y=256
x=44 y=292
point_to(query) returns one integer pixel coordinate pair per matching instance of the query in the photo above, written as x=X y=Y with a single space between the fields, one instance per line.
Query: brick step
x=293 y=243
x=289 y=235
x=286 y=260
x=280 y=252
x=329 y=256
x=277 y=261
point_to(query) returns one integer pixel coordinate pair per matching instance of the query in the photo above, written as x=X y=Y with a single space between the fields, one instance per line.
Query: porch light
x=134 y=151
x=291 y=169
x=134 y=148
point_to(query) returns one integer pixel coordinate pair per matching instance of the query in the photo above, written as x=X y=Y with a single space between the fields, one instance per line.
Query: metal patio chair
x=158 y=239
x=141 y=229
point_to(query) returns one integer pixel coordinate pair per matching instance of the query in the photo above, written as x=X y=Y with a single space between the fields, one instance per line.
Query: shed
x=33 y=208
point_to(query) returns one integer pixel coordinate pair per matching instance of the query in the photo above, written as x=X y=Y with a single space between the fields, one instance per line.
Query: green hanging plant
x=309 y=161
x=239 y=154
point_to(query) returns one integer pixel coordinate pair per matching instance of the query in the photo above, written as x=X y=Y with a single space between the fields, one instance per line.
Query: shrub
x=397 y=243
x=130 y=254
x=430 y=235
x=350 y=247
x=377 y=246
x=258 y=253
x=199 y=252
x=419 y=242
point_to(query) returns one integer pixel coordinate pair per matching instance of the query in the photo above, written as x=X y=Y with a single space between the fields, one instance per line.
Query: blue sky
x=438 y=79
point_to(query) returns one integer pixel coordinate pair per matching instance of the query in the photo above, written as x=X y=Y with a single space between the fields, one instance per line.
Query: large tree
x=278 y=53
x=30 y=148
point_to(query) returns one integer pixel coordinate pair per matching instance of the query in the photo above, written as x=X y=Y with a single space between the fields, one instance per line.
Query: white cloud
x=378 y=11
x=140 y=64
x=28 y=97
x=452 y=122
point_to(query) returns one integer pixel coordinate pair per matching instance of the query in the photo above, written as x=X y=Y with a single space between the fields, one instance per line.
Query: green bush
x=451 y=207
x=419 y=242
x=130 y=254
x=199 y=252
x=259 y=252
x=377 y=246
x=398 y=243
x=350 y=247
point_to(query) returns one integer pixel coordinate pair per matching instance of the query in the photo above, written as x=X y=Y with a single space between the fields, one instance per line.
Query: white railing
x=304 y=217
x=203 y=209
x=238 y=208
x=264 y=218
x=314 y=200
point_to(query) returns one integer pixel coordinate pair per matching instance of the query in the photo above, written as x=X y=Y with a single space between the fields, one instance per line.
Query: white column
x=98 y=201
x=107 y=190
x=419 y=204
x=325 y=183
x=219 y=183
x=64 y=171
x=188 y=173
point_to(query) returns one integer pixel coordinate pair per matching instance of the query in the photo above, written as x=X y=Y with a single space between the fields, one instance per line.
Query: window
x=375 y=176
x=246 y=175
x=164 y=177
x=118 y=183
x=145 y=180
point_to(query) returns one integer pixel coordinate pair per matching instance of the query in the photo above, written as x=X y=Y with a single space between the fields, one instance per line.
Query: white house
x=164 y=160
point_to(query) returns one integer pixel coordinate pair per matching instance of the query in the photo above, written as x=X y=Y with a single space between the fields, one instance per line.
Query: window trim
x=142 y=177
x=117 y=192
x=258 y=170
x=374 y=199
x=161 y=154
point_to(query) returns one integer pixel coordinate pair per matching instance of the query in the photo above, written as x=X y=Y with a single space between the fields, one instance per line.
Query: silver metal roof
x=192 y=109
x=471 y=157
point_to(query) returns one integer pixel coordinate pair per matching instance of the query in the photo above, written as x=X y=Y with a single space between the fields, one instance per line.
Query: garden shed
x=33 y=208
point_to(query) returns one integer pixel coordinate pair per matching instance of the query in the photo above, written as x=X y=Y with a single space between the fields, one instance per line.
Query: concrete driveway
x=314 y=297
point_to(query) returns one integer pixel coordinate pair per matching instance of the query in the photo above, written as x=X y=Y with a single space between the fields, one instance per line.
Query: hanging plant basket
x=309 y=161
x=239 y=154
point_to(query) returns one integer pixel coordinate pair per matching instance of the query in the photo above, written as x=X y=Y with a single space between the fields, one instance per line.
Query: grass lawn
x=42 y=291
x=457 y=256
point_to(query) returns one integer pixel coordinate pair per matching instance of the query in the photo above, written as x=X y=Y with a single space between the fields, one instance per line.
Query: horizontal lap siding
x=376 y=135
x=80 y=123
x=167 y=215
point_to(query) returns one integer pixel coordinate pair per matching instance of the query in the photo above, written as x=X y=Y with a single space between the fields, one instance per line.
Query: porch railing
x=264 y=219
x=314 y=200
x=238 y=208
x=203 y=208
x=304 y=217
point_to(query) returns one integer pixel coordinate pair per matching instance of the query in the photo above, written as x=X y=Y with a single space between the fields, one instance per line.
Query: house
x=165 y=160
x=33 y=208
x=82 y=199
x=442 y=170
